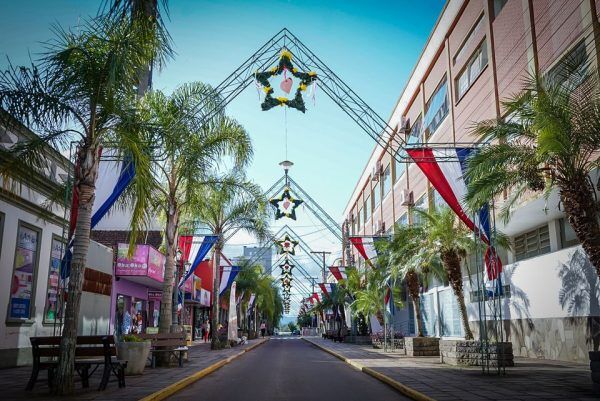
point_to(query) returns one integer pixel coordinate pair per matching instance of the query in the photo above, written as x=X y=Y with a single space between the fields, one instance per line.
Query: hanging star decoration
x=285 y=64
x=287 y=245
x=286 y=268
x=285 y=205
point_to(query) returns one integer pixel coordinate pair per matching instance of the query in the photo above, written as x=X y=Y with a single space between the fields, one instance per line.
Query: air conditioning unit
x=406 y=198
x=404 y=127
x=375 y=174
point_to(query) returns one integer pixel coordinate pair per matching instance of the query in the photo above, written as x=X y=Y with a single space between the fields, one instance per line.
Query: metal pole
x=322 y=253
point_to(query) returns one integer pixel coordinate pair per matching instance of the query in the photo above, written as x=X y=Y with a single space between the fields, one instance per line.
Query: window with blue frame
x=386 y=181
x=436 y=109
x=376 y=196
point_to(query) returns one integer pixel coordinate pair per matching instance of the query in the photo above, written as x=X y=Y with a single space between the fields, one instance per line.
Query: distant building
x=259 y=255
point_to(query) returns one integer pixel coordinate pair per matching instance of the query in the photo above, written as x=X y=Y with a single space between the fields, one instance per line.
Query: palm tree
x=447 y=240
x=368 y=299
x=80 y=90
x=406 y=265
x=550 y=140
x=189 y=151
x=227 y=207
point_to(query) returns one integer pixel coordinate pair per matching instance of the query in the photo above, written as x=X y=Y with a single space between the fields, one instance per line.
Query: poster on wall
x=156 y=264
x=51 y=311
x=22 y=281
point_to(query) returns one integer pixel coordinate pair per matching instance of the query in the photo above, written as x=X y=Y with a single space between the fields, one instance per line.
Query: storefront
x=137 y=290
x=197 y=307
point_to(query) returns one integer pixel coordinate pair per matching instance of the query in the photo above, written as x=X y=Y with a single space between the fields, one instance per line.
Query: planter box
x=422 y=346
x=136 y=354
x=468 y=353
x=360 y=340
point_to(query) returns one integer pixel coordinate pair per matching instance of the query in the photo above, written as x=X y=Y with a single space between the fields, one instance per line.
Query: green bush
x=132 y=338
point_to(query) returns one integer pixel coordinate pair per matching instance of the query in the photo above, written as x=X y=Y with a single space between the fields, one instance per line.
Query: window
x=399 y=168
x=353 y=219
x=436 y=108
x=438 y=201
x=532 y=243
x=415 y=134
x=402 y=220
x=51 y=311
x=498 y=6
x=25 y=268
x=367 y=208
x=358 y=220
x=376 y=196
x=420 y=204
x=386 y=181
x=466 y=43
x=567 y=234
x=472 y=70
x=571 y=68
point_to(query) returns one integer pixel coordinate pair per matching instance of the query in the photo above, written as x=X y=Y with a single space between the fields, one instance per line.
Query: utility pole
x=322 y=253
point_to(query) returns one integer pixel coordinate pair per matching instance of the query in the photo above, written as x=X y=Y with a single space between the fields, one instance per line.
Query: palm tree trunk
x=214 y=342
x=412 y=281
x=579 y=202
x=166 y=301
x=451 y=262
x=64 y=383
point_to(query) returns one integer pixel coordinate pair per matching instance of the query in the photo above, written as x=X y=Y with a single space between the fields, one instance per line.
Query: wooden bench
x=174 y=344
x=90 y=352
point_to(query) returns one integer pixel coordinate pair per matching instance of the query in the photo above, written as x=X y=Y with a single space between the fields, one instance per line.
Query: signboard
x=22 y=280
x=232 y=324
x=146 y=261
x=204 y=297
x=137 y=265
x=155 y=296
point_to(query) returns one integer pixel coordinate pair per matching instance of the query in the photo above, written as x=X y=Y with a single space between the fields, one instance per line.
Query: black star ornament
x=285 y=205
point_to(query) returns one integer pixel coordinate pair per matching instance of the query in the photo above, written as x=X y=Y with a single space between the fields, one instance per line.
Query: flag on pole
x=339 y=272
x=445 y=169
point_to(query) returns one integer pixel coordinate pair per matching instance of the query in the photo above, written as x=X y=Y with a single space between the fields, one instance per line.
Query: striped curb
x=183 y=383
x=401 y=388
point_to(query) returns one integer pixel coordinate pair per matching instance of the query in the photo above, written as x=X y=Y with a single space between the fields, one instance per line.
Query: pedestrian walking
x=263 y=328
x=207 y=331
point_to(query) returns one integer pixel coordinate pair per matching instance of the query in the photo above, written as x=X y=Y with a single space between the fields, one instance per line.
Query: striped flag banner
x=445 y=169
x=366 y=247
x=195 y=249
x=339 y=272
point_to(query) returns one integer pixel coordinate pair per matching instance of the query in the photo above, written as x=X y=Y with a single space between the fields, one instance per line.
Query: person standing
x=206 y=330
x=263 y=328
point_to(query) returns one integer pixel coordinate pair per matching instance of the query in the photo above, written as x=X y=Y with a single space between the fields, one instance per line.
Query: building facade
x=479 y=53
x=31 y=248
x=265 y=259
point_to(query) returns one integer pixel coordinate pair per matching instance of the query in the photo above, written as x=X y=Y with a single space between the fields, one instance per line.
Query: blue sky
x=372 y=46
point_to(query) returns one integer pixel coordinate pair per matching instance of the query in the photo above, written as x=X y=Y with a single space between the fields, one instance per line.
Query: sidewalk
x=529 y=379
x=13 y=380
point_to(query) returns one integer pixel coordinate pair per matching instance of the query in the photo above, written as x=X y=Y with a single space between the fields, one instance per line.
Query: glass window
x=436 y=108
x=51 y=311
x=399 y=168
x=415 y=134
x=376 y=196
x=567 y=234
x=498 y=6
x=571 y=68
x=438 y=201
x=472 y=70
x=420 y=204
x=533 y=243
x=402 y=220
x=25 y=268
x=386 y=181
x=367 y=208
x=466 y=44
x=358 y=220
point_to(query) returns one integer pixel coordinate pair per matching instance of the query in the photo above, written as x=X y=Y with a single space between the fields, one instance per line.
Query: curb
x=183 y=383
x=401 y=388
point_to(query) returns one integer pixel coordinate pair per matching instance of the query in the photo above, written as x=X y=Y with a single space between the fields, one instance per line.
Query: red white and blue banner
x=194 y=249
x=327 y=289
x=445 y=169
x=339 y=272
x=114 y=177
x=228 y=274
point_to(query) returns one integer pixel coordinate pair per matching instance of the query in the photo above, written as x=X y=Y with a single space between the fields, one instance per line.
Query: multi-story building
x=478 y=54
x=265 y=259
x=31 y=247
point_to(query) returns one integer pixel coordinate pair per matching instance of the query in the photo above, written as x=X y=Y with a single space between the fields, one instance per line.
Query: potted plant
x=135 y=351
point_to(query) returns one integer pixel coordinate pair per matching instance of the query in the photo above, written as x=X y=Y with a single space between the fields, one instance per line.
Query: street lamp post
x=178 y=260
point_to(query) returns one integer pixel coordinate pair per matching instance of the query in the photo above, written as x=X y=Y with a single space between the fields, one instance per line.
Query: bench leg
x=153 y=364
x=105 y=377
x=50 y=376
x=34 y=374
x=121 y=376
x=180 y=359
x=85 y=376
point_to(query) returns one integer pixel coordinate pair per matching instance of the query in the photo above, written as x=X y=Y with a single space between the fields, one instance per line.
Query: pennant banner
x=196 y=250
x=228 y=274
x=339 y=272
x=113 y=179
x=445 y=169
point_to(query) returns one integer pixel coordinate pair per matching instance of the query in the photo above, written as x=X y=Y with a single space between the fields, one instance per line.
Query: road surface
x=287 y=369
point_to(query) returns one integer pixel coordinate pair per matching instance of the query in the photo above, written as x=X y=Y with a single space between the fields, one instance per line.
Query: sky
x=372 y=46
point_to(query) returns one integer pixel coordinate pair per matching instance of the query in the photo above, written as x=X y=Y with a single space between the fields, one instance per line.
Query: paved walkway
x=13 y=380
x=529 y=379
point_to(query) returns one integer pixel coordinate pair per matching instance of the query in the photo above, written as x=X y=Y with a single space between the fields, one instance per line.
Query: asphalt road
x=287 y=369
